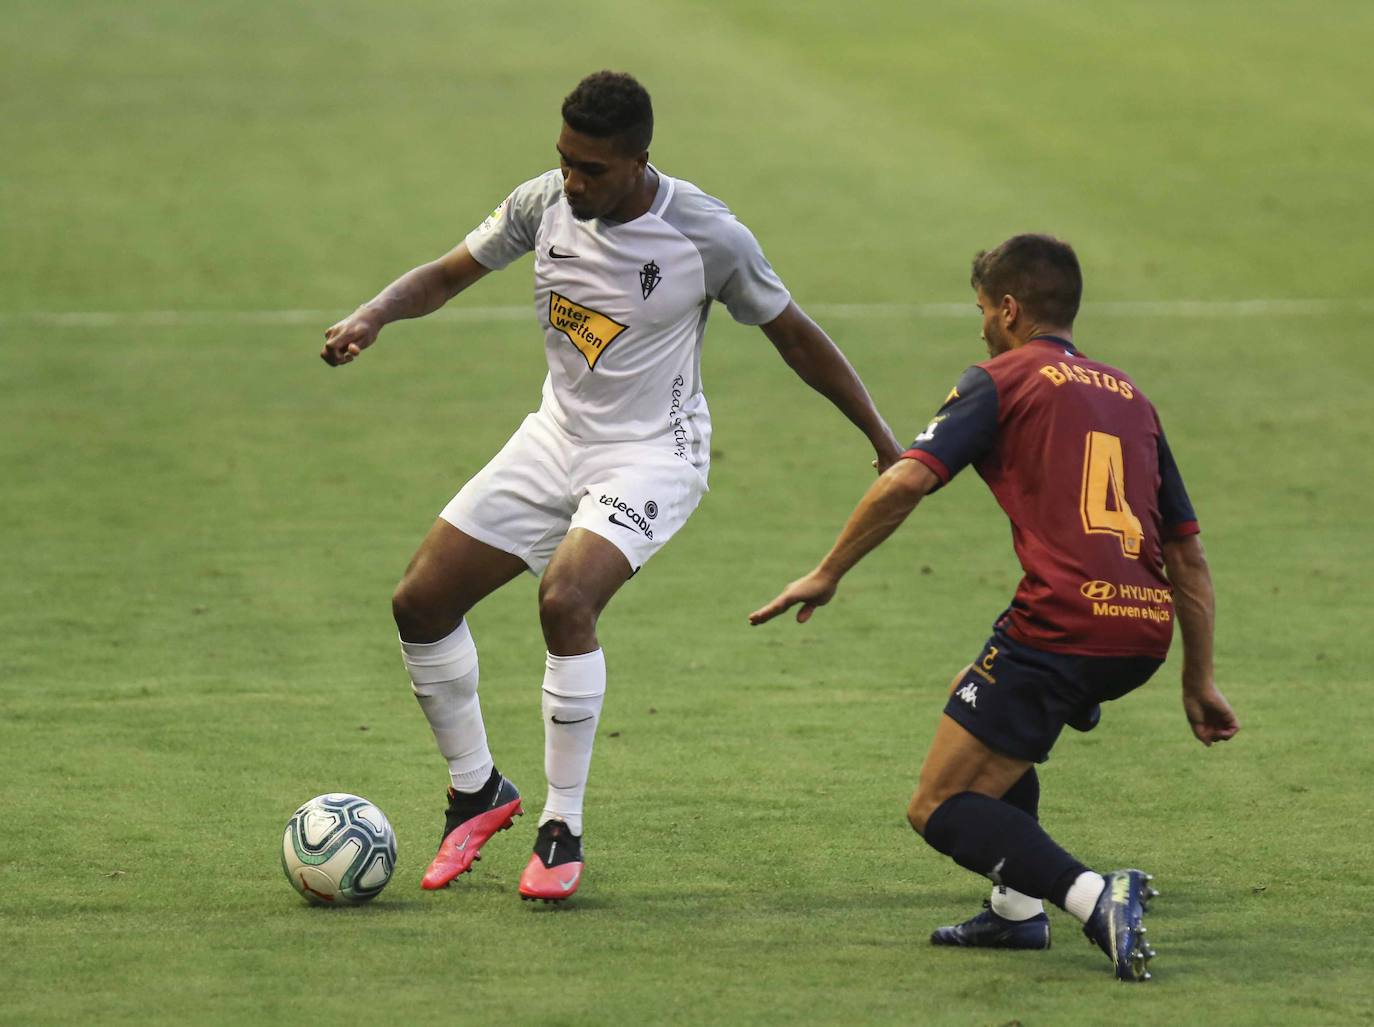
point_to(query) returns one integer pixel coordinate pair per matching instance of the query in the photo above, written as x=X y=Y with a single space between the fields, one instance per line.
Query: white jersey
x=624 y=306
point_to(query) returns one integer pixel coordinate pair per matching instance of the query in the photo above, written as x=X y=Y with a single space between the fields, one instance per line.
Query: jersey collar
x=662 y=195
x=1060 y=341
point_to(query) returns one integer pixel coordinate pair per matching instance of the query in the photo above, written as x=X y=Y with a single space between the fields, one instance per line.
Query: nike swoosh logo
x=614 y=520
x=565 y=885
x=582 y=721
x=460 y=848
x=553 y=252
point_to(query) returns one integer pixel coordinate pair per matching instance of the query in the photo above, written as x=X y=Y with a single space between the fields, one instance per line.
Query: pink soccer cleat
x=469 y=823
x=555 y=869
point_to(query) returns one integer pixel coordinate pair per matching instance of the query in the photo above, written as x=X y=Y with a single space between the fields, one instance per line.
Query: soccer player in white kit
x=627 y=263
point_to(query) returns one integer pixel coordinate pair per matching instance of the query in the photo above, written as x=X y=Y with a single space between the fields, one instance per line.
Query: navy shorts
x=1016 y=699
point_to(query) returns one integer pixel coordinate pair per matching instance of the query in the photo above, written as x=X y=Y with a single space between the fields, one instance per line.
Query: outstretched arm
x=418 y=292
x=819 y=362
x=1208 y=712
x=887 y=503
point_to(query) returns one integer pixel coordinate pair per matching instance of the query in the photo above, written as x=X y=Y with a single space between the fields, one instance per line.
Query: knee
x=407 y=610
x=919 y=810
x=418 y=617
x=565 y=610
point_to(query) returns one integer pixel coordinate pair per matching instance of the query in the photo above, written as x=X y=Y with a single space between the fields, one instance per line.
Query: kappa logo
x=969 y=694
x=1098 y=591
x=591 y=331
x=649 y=278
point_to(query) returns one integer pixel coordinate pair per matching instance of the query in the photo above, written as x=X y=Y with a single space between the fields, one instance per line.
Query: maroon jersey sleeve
x=1175 y=508
x=963 y=430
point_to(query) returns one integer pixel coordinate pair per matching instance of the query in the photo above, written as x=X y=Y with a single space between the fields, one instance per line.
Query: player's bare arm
x=1209 y=714
x=818 y=362
x=888 y=502
x=418 y=292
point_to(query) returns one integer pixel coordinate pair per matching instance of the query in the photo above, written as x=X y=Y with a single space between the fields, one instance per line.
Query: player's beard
x=998 y=340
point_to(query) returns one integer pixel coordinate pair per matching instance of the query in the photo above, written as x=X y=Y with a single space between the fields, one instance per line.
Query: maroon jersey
x=1076 y=457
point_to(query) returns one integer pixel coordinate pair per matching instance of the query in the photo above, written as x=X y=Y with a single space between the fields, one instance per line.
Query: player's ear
x=1010 y=310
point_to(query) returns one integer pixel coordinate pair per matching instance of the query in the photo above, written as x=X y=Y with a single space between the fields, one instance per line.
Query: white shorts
x=636 y=495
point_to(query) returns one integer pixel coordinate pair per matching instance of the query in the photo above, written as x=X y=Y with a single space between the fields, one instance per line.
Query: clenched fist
x=345 y=340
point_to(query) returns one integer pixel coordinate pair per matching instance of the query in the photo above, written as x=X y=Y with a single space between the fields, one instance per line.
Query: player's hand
x=345 y=340
x=1210 y=715
x=888 y=454
x=816 y=589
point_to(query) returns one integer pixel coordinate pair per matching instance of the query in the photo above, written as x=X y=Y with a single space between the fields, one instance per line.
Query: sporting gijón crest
x=649 y=278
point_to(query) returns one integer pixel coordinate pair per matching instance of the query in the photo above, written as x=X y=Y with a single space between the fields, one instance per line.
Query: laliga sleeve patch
x=494 y=218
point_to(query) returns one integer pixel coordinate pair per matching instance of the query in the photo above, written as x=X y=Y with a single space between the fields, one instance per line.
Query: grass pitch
x=203 y=523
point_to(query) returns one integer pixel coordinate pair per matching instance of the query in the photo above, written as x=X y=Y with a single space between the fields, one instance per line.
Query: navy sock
x=1025 y=794
x=1003 y=843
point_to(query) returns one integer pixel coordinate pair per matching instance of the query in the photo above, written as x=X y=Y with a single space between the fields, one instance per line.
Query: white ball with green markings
x=338 y=849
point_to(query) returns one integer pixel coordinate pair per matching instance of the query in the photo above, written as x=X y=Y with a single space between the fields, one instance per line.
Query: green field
x=203 y=523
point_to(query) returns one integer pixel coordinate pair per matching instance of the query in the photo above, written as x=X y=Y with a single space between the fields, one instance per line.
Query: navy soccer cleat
x=987 y=930
x=1115 y=926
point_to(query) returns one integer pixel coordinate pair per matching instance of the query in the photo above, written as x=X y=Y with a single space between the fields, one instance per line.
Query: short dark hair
x=1041 y=271
x=610 y=104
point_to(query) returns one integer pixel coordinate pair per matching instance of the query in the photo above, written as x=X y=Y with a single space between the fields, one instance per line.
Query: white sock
x=443 y=676
x=1010 y=904
x=574 y=687
x=1084 y=893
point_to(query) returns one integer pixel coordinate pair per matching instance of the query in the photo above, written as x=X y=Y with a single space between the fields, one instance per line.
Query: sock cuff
x=459 y=638
x=575 y=677
x=452 y=657
x=593 y=658
x=1059 y=891
x=939 y=826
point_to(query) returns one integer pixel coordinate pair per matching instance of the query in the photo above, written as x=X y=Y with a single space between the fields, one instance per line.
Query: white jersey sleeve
x=750 y=288
x=509 y=231
x=737 y=272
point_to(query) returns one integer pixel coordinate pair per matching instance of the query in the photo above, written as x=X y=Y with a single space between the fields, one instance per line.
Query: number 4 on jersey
x=1104 y=482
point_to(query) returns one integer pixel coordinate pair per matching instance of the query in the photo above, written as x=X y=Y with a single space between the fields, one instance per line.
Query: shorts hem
x=492 y=539
x=624 y=550
x=971 y=725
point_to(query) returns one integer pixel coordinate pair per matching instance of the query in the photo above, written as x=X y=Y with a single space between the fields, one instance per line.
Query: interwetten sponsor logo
x=591 y=331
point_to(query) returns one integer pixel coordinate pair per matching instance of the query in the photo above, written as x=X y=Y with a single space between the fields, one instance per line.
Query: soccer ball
x=338 y=849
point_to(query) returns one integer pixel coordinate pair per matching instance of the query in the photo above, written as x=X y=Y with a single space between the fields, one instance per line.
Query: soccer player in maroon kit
x=1107 y=538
